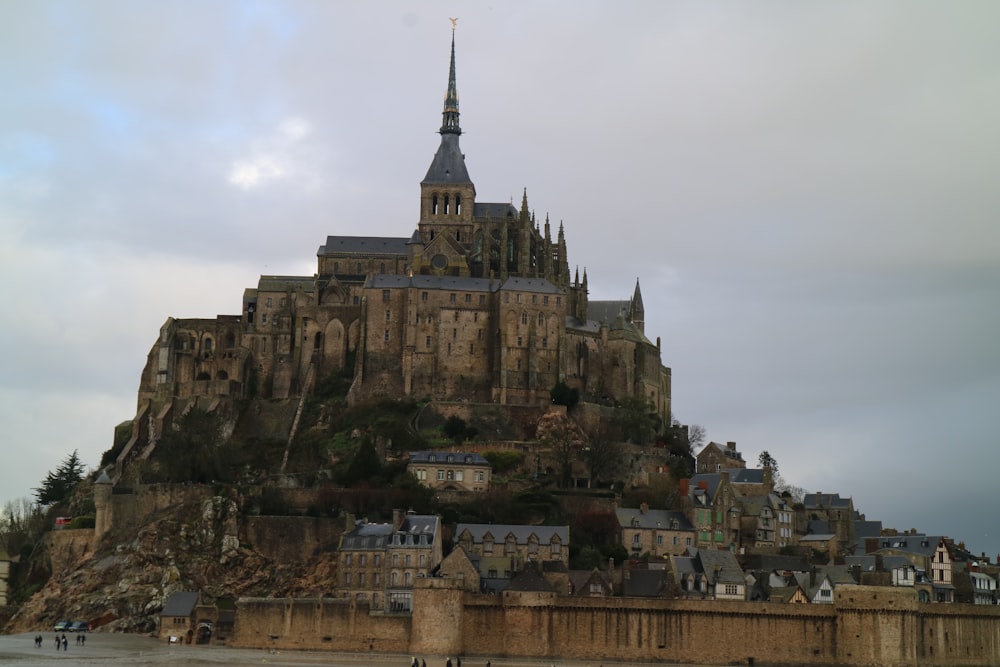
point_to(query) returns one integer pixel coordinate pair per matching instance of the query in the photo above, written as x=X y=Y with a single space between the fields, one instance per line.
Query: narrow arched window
x=458 y=204
x=434 y=205
x=446 y=205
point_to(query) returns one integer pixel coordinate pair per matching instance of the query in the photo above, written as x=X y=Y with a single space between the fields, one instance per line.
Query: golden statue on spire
x=454 y=24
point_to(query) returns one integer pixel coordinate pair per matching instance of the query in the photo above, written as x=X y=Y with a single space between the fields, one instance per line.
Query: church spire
x=449 y=119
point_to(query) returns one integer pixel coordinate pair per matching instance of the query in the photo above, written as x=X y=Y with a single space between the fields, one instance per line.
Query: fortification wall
x=318 y=624
x=867 y=626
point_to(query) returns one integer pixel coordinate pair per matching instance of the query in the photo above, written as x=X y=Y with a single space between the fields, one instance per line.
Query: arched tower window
x=446 y=204
x=458 y=204
x=434 y=205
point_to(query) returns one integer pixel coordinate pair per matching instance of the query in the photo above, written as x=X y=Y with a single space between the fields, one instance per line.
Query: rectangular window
x=388 y=316
x=451 y=475
x=558 y=300
x=386 y=296
x=482 y=299
x=423 y=296
x=427 y=339
x=452 y=297
x=659 y=540
x=545 y=300
x=458 y=475
x=534 y=298
x=440 y=475
x=387 y=335
x=468 y=298
x=517 y=297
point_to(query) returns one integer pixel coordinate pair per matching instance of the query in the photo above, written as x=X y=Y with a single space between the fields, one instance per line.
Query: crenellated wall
x=868 y=626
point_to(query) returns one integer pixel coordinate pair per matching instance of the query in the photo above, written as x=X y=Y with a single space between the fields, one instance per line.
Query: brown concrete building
x=451 y=471
x=378 y=563
x=654 y=532
x=715 y=457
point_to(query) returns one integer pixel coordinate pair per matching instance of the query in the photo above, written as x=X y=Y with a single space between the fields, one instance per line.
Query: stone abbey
x=478 y=304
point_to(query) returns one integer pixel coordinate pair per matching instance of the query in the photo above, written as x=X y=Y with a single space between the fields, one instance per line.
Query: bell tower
x=447 y=195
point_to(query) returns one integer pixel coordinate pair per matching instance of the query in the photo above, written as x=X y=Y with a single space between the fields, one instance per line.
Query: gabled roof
x=746 y=475
x=529 y=579
x=644 y=583
x=181 y=603
x=519 y=284
x=770 y=562
x=373 y=536
x=364 y=245
x=581 y=580
x=500 y=531
x=493 y=210
x=652 y=519
x=924 y=545
x=825 y=501
x=720 y=566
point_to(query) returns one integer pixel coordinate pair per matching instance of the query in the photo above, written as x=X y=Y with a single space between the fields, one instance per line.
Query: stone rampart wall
x=318 y=624
x=869 y=626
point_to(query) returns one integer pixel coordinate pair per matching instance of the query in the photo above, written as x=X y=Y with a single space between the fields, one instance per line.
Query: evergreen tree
x=58 y=485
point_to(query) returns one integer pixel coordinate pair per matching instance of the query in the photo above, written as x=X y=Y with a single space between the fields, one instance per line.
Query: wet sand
x=118 y=649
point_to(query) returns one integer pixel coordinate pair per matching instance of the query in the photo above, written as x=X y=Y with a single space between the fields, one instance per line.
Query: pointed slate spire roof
x=449 y=118
x=448 y=165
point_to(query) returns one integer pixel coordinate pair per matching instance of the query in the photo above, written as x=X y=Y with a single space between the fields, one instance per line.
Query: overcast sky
x=807 y=193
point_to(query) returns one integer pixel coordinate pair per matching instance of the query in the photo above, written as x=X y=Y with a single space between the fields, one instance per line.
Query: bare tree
x=696 y=437
x=603 y=458
x=22 y=523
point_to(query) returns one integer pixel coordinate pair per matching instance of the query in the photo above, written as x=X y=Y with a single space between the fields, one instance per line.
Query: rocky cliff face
x=122 y=583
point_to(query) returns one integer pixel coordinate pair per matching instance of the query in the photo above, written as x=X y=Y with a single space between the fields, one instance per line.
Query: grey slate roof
x=771 y=562
x=458 y=458
x=720 y=566
x=493 y=210
x=283 y=283
x=662 y=519
x=364 y=245
x=644 y=583
x=521 y=534
x=825 y=501
x=607 y=311
x=448 y=165
x=180 y=604
x=374 y=536
x=541 y=285
x=746 y=476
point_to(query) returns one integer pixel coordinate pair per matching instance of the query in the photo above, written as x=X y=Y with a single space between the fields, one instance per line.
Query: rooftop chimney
x=643 y=507
x=732 y=445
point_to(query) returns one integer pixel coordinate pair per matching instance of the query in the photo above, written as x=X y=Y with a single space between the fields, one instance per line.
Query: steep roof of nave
x=281 y=283
x=519 y=284
x=365 y=245
x=493 y=210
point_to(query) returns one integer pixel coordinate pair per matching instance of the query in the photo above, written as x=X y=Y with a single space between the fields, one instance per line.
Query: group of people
x=61 y=641
x=447 y=663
